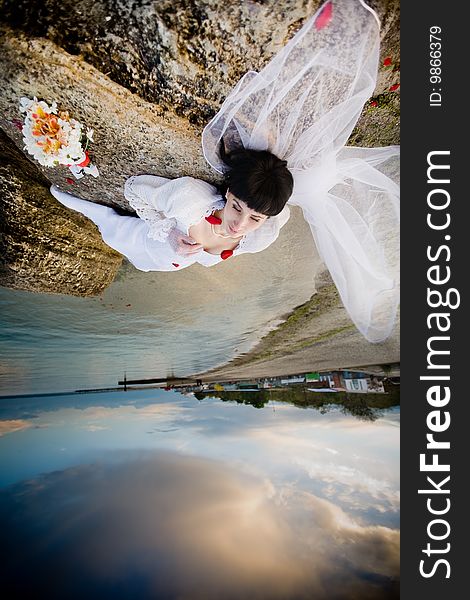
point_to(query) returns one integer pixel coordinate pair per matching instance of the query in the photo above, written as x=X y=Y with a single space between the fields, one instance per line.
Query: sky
x=168 y=496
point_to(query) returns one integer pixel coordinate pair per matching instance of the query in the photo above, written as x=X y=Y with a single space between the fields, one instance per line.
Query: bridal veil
x=303 y=107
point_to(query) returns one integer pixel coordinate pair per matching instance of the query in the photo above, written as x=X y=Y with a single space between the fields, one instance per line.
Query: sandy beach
x=305 y=341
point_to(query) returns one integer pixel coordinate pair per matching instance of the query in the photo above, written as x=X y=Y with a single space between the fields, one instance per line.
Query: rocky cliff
x=146 y=76
x=44 y=247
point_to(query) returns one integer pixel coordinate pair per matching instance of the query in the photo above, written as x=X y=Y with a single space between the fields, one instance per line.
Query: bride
x=186 y=220
x=280 y=138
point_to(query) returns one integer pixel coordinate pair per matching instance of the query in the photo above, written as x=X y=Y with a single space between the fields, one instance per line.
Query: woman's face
x=238 y=219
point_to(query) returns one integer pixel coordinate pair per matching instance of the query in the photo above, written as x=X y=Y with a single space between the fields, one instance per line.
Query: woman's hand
x=182 y=244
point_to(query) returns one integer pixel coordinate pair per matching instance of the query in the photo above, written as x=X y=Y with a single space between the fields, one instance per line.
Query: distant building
x=364 y=384
x=312 y=377
x=230 y=387
x=248 y=385
x=356 y=385
x=290 y=380
x=331 y=379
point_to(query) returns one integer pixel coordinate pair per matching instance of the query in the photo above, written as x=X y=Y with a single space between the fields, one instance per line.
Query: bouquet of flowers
x=53 y=138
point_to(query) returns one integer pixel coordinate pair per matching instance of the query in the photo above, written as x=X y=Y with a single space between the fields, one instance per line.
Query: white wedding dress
x=302 y=107
x=163 y=204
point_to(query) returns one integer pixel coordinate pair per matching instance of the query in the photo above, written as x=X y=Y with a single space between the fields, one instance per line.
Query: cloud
x=179 y=527
x=92 y=427
x=9 y=426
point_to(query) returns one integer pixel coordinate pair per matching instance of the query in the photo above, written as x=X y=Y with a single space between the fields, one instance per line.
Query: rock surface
x=184 y=55
x=45 y=247
x=146 y=76
x=131 y=136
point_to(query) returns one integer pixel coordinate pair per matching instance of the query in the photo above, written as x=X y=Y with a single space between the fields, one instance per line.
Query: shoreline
x=305 y=342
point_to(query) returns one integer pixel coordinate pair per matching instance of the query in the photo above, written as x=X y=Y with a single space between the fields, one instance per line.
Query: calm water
x=152 y=324
x=152 y=494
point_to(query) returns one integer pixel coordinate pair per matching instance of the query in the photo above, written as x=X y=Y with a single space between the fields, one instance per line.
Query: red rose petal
x=213 y=220
x=387 y=61
x=394 y=87
x=226 y=254
x=324 y=17
x=175 y=264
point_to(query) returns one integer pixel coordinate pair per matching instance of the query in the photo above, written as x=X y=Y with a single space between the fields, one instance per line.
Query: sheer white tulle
x=303 y=107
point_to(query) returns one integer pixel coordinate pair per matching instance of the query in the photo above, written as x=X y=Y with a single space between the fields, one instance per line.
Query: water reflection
x=152 y=324
x=367 y=407
x=158 y=495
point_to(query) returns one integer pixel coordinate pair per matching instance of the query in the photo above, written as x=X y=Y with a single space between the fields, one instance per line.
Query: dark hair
x=258 y=178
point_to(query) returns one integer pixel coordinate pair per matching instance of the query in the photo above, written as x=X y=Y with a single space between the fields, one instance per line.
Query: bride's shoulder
x=190 y=198
x=195 y=194
x=185 y=182
x=196 y=185
x=176 y=190
x=187 y=186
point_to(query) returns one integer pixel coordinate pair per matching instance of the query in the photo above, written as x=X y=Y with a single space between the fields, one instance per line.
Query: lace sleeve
x=149 y=198
x=167 y=203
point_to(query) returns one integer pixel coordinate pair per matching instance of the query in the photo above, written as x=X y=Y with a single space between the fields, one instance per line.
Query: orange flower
x=51 y=145
x=49 y=126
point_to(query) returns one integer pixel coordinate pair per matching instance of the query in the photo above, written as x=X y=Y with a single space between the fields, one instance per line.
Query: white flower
x=26 y=103
x=52 y=139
